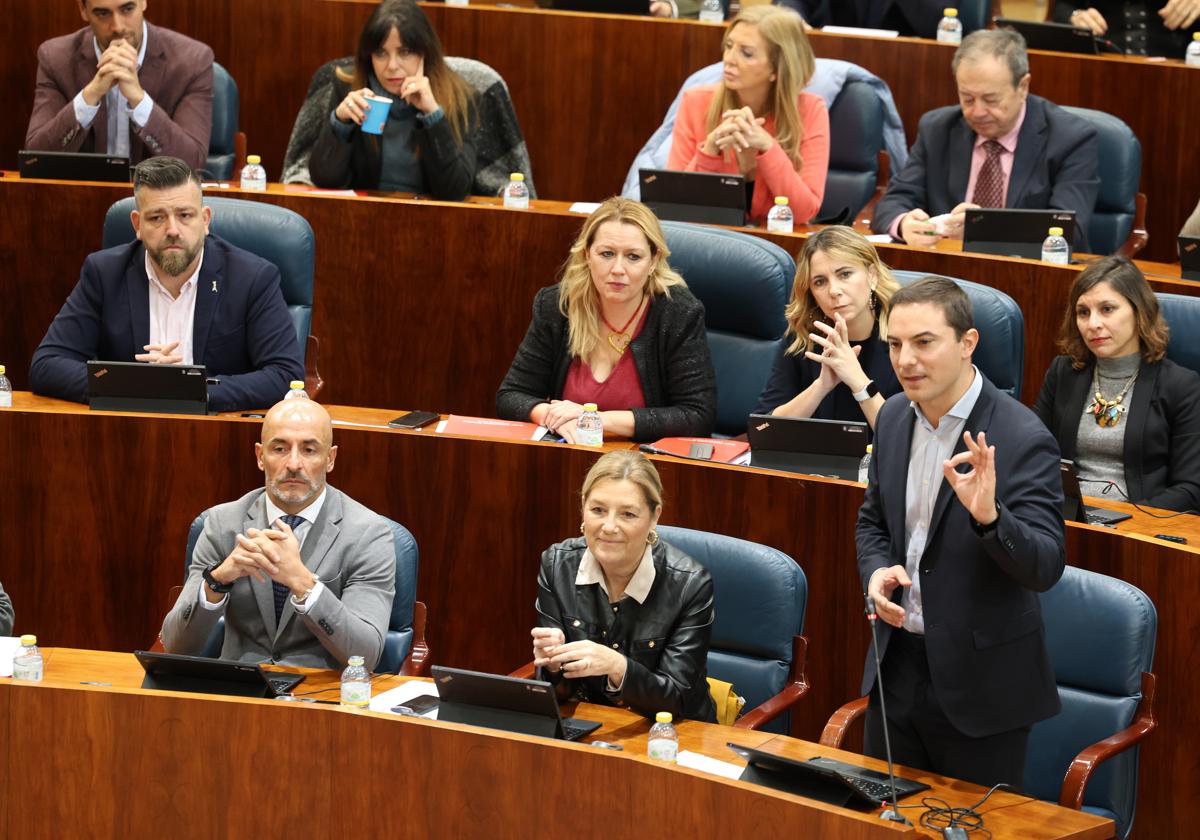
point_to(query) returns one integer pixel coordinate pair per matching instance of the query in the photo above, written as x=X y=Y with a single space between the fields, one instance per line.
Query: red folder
x=724 y=451
x=456 y=424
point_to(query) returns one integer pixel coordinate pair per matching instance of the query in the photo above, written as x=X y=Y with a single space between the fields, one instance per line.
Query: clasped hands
x=117 y=66
x=161 y=354
x=742 y=133
x=837 y=357
x=576 y=659
x=976 y=490
x=269 y=553
x=561 y=417
x=917 y=229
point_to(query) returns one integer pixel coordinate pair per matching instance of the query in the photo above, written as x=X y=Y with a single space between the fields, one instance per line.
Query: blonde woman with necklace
x=621 y=330
x=1125 y=414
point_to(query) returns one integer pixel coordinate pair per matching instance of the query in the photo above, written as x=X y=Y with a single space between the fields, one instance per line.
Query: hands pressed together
x=742 y=133
x=576 y=660
x=838 y=358
x=161 y=354
x=117 y=66
x=271 y=553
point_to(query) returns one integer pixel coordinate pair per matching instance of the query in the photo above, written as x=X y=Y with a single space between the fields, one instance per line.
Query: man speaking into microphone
x=961 y=528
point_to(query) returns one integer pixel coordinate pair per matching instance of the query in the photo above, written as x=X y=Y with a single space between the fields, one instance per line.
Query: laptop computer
x=1009 y=232
x=1074 y=510
x=176 y=672
x=823 y=779
x=1189 y=257
x=703 y=197
x=508 y=703
x=137 y=386
x=73 y=166
x=830 y=448
x=1062 y=37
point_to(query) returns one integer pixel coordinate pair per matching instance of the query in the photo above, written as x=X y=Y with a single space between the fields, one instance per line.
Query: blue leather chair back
x=1120 y=173
x=1182 y=313
x=759 y=595
x=276 y=234
x=1001 y=350
x=1100 y=632
x=974 y=14
x=399 y=638
x=743 y=282
x=855 y=139
x=221 y=155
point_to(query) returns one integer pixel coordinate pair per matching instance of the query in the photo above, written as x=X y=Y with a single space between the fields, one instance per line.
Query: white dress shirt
x=119 y=112
x=172 y=318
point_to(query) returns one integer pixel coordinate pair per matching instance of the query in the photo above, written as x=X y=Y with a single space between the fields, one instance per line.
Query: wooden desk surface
x=576 y=101
x=453 y=283
x=100 y=505
x=89 y=726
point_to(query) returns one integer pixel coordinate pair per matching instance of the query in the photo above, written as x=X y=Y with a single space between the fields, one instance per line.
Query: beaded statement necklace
x=620 y=338
x=1108 y=412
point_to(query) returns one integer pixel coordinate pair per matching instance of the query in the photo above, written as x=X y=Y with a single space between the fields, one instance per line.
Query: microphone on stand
x=893 y=814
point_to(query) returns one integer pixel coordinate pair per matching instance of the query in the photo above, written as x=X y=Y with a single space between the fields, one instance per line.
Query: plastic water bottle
x=1055 y=249
x=5 y=390
x=254 y=177
x=864 y=466
x=27 y=664
x=1191 y=56
x=711 y=11
x=949 y=29
x=296 y=391
x=356 y=684
x=516 y=194
x=664 y=742
x=779 y=220
x=589 y=429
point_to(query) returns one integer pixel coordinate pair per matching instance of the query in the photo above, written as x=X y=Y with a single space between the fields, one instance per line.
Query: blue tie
x=278 y=589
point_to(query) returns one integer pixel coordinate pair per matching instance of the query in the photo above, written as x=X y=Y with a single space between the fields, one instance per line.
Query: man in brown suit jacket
x=122 y=86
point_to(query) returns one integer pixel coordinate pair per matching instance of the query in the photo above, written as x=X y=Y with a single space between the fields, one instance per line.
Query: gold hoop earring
x=652 y=538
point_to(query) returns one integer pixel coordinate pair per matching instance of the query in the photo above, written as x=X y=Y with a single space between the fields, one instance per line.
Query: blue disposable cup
x=376 y=114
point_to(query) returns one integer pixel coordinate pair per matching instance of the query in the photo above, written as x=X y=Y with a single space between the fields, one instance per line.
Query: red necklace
x=620 y=338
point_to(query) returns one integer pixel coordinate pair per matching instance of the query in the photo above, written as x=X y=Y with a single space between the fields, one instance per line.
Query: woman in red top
x=757 y=122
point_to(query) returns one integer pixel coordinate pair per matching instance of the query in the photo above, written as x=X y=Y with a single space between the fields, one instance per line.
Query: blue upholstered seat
x=222 y=144
x=1001 y=351
x=743 y=282
x=856 y=138
x=403 y=625
x=760 y=595
x=1120 y=173
x=1182 y=313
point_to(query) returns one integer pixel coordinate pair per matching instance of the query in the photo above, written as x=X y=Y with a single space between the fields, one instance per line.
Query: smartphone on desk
x=414 y=420
x=419 y=705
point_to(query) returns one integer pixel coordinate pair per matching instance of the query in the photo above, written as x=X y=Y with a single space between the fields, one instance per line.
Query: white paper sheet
x=696 y=761
x=401 y=694
x=587 y=208
x=858 y=30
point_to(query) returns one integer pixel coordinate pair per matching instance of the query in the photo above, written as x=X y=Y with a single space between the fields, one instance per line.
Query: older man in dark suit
x=176 y=295
x=121 y=86
x=961 y=528
x=999 y=147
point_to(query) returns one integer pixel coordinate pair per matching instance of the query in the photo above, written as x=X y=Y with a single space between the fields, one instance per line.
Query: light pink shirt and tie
x=172 y=318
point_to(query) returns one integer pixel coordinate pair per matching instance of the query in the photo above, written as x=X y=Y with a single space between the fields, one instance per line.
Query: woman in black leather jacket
x=625 y=618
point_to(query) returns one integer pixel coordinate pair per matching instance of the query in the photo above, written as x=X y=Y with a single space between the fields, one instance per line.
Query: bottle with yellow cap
x=5 y=389
x=27 y=664
x=516 y=194
x=296 y=391
x=589 y=428
x=254 y=177
x=664 y=742
x=949 y=30
x=1191 y=56
x=864 y=466
x=779 y=219
x=1055 y=248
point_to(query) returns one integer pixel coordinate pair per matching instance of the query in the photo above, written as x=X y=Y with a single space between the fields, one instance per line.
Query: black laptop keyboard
x=573 y=732
x=871 y=790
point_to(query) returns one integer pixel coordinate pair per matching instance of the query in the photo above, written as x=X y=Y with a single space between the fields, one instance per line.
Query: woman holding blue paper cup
x=399 y=119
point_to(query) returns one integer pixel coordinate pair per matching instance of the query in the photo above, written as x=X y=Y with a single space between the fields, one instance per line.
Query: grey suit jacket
x=176 y=72
x=6 y=613
x=348 y=547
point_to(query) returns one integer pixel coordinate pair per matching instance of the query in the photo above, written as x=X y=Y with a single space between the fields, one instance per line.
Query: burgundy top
x=620 y=392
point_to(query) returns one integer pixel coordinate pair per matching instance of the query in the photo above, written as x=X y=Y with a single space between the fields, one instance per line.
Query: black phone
x=414 y=420
x=419 y=705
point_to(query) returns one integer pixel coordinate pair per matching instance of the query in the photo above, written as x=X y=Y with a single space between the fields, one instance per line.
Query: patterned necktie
x=989 y=185
x=278 y=589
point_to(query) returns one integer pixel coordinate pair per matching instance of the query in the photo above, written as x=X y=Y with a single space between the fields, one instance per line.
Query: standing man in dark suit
x=303 y=574
x=999 y=147
x=961 y=528
x=176 y=296
x=121 y=86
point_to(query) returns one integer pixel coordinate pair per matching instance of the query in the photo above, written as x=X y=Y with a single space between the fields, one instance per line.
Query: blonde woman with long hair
x=757 y=121
x=833 y=362
x=620 y=330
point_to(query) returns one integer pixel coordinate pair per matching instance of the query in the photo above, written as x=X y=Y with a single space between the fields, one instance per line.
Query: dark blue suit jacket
x=1056 y=167
x=242 y=332
x=983 y=621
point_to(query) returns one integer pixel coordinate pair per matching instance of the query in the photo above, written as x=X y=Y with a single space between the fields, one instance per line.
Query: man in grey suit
x=303 y=574
x=121 y=86
x=6 y=613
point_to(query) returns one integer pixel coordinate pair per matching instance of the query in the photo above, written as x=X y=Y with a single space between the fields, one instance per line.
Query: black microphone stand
x=893 y=814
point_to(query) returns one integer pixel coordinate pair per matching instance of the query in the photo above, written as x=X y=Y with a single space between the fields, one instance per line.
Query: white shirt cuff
x=303 y=609
x=141 y=114
x=674 y=8
x=84 y=113
x=209 y=605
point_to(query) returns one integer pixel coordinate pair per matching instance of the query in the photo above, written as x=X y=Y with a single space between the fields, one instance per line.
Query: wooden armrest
x=313 y=382
x=835 y=730
x=417 y=663
x=1081 y=769
x=239 y=155
x=525 y=672
x=1138 y=237
x=796 y=688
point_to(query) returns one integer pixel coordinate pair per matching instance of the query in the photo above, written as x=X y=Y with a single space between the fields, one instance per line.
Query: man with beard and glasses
x=303 y=574
x=177 y=295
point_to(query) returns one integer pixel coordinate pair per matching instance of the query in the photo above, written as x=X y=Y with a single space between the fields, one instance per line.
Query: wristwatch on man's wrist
x=214 y=584
x=868 y=391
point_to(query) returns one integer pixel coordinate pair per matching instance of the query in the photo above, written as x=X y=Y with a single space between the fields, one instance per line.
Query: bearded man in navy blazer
x=961 y=528
x=999 y=147
x=177 y=295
